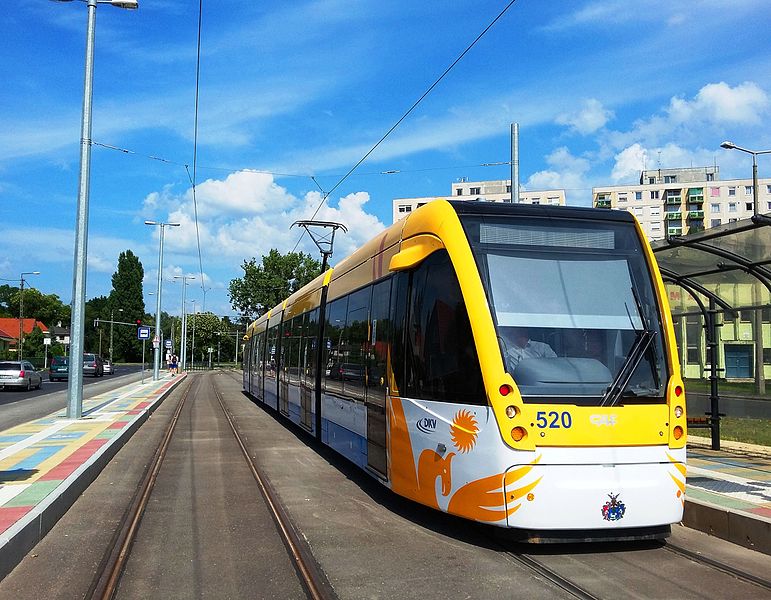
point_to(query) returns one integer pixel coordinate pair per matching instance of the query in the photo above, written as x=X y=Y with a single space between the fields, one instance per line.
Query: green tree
x=46 y=308
x=265 y=285
x=207 y=327
x=33 y=344
x=97 y=335
x=127 y=294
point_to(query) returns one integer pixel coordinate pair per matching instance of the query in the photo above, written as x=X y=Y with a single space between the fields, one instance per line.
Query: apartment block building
x=487 y=191
x=670 y=202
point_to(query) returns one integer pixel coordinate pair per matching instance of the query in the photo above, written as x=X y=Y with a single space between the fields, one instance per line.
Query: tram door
x=377 y=384
x=308 y=368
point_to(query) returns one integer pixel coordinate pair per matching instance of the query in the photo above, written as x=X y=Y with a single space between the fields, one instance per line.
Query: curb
x=18 y=540
x=753 y=532
x=738 y=447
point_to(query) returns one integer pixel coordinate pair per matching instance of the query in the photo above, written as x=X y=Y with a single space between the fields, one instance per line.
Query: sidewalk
x=46 y=464
x=728 y=492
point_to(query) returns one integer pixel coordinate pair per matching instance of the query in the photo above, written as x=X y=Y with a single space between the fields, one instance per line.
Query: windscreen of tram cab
x=574 y=307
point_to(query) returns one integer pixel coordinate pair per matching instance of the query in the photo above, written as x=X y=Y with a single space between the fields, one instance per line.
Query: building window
x=536 y=200
x=508 y=189
x=421 y=204
x=731 y=191
x=732 y=207
x=638 y=195
x=715 y=207
x=651 y=180
x=655 y=211
x=710 y=177
x=655 y=226
x=654 y=194
x=405 y=208
x=748 y=205
x=715 y=222
x=767 y=356
x=732 y=220
x=748 y=190
x=768 y=188
x=459 y=191
x=553 y=200
x=475 y=191
x=670 y=178
x=622 y=198
x=714 y=191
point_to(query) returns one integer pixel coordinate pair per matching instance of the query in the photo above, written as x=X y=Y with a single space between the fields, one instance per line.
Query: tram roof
x=709 y=264
x=465 y=207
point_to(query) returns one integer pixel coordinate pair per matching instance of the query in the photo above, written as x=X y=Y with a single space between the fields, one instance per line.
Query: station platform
x=46 y=464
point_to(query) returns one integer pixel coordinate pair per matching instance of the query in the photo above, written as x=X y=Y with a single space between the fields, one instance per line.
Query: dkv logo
x=426 y=425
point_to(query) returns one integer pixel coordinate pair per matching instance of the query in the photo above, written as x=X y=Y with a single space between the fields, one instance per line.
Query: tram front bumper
x=599 y=496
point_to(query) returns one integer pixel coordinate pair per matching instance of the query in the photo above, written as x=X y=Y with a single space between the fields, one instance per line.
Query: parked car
x=346 y=371
x=108 y=366
x=59 y=369
x=19 y=373
x=93 y=365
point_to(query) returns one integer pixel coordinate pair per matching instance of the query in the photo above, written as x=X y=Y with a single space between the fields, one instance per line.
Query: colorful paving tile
x=37 y=457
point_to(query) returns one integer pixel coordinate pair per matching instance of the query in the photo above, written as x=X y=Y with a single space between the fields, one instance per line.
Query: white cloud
x=720 y=103
x=246 y=214
x=566 y=172
x=590 y=118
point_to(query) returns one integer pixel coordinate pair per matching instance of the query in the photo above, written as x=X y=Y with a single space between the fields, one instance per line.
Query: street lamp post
x=78 y=321
x=157 y=346
x=112 y=324
x=192 y=347
x=728 y=145
x=183 y=340
x=20 y=353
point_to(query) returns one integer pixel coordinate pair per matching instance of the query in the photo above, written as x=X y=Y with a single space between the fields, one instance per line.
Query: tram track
x=550 y=575
x=106 y=582
x=718 y=565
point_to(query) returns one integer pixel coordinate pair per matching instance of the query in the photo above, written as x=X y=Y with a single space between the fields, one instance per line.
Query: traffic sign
x=143 y=333
x=168 y=343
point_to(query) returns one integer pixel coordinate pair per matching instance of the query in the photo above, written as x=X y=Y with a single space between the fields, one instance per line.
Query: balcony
x=675 y=231
x=674 y=200
x=602 y=203
x=673 y=216
x=695 y=214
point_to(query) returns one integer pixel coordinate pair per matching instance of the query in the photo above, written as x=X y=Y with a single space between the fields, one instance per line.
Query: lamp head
x=728 y=145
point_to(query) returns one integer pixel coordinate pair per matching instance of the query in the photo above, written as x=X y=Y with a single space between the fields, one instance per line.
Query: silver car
x=108 y=366
x=22 y=374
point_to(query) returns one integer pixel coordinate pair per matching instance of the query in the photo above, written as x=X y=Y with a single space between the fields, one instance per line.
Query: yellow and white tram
x=511 y=364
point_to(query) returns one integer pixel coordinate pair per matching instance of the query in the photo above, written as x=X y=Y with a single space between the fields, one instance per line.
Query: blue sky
x=303 y=89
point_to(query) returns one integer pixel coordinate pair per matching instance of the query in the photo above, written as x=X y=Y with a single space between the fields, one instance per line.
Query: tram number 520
x=553 y=420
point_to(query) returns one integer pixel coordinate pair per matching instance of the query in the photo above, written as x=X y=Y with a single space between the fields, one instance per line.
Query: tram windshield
x=574 y=307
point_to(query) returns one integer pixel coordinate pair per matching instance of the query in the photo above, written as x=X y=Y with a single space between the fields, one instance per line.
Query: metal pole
x=515 y=162
x=714 y=398
x=20 y=353
x=757 y=327
x=238 y=331
x=754 y=184
x=157 y=347
x=192 y=347
x=78 y=321
x=183 y=341
x=143 y=360
x=112 y=327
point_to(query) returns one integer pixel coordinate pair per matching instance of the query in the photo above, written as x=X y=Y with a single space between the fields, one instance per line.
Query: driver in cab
x=519 y=346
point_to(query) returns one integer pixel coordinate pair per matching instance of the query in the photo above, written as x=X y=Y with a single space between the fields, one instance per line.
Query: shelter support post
x=712 y=349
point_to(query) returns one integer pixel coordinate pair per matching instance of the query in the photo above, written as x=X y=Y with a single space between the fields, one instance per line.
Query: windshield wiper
x=621 y=380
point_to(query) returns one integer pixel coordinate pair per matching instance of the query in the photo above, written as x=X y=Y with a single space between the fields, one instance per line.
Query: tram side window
x=293 y=363
x=442 y=363
x=333 y=350
x=380 y=335
x=355 y=344
x=309 y=347
x=271 y=357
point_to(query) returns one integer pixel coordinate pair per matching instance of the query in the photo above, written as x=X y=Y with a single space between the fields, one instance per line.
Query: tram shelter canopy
x=710 y=263
x=727 y=267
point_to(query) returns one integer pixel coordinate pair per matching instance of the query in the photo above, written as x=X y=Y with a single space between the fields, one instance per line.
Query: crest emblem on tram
x=613 y=509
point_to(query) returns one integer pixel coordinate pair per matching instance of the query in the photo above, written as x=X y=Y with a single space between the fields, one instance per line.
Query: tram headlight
x=677 y=432
x=511 y=411
x=518 y=434
x=678 y=411
x=505 y=389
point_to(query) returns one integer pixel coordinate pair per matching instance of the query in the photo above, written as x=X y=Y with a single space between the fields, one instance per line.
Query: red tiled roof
x=11 y=326
x=6 y=336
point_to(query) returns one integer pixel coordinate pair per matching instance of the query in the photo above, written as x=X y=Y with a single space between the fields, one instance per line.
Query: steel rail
x=717 y=565
x=311 y=576
x=552 y=576
x=108 y=576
